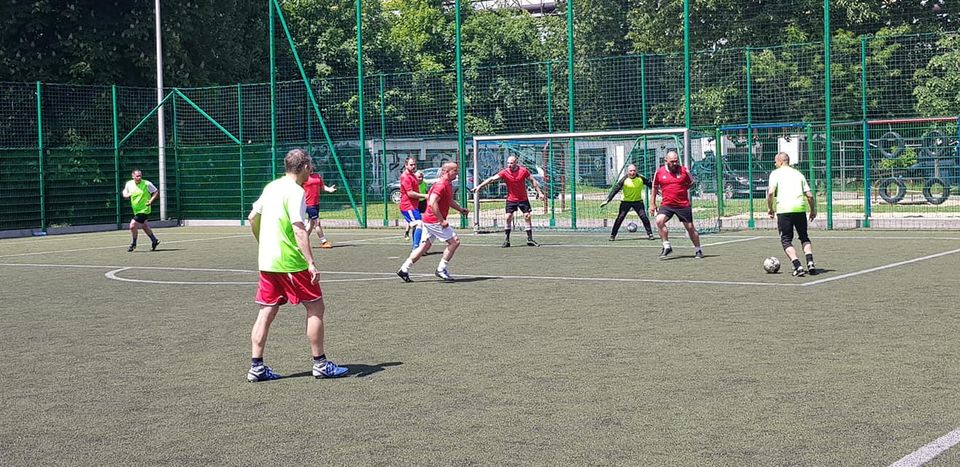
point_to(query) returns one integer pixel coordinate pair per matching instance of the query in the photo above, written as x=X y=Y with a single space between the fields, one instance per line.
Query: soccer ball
x=632 y=227
x=771 y=265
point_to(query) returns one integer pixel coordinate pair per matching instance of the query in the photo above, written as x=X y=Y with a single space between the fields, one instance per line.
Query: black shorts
x=684 y=214
x=523 y=206
x=313 y=212
x=787 y=223
x=140 y=218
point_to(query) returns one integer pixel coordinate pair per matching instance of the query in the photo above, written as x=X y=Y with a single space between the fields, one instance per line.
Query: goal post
x=576 y=172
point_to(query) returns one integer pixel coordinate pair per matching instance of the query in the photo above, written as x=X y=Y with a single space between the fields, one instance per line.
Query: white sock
x=443 y=265
x=666 y=244
x=406 y=265
x=323 y=239
x=697 y=250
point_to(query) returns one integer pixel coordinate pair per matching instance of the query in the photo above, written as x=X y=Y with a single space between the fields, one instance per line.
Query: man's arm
x=303 y=242
x=412 y=191
x=771 y=192
x=153 y=197
x=254 y=219
x=125 y=193
x=813 y=204
x=536 y=186
x=653 y=195
x=455 y=205
x=614 y=192
x=486 y=182
x=434 y=206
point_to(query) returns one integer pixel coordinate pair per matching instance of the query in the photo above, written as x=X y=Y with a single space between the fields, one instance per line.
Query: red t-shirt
x=311 y=190
x=444 y=192
x=516 y=183
x=408 y=183
x=674 y=188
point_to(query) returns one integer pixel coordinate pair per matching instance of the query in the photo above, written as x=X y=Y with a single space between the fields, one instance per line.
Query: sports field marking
x=880 y=268
x=732 y=241
x=113 y=275
x=925 y=454
x=119 y=246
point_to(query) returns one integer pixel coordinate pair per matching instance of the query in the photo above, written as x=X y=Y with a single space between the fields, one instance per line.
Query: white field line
x=119 y=246
x=880 y=268
x=732 y=241
x=112 y=274
x=925 y=454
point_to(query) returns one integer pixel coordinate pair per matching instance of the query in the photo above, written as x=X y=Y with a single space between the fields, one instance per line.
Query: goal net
x=576 y=172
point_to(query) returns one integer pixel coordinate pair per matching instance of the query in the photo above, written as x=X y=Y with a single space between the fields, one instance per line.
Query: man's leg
x=134 y=225
x=785 y=227
x=322 y=368
x=642 y=212
x=694 y=237
x=507 y=227
x=261 y=329
x=323 y=239
x=800 y=223
x=621 y=215
x=528 y=219
x=664 y=235
x=415 y=255
x=153 y=238
x=452 y=245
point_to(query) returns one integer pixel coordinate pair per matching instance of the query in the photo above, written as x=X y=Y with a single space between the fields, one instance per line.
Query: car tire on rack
x=891 y=145
x=884 y=189
x=928 y=190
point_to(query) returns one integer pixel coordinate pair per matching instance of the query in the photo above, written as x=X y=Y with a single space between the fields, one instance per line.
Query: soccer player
x=793 y=195
x=311 y=191
x=673 y=180
x=409 y=199
x=515 y=177
x=287 y=272
x=422 y=204
x=435 y=225
x=141 y=194
x=632 y=185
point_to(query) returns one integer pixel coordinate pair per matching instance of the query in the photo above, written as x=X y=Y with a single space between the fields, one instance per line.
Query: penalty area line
x=880 y=268
x=926 y=453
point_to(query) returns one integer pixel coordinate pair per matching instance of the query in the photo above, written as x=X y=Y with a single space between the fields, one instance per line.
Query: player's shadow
x=337 y=245
x=355 y=370
x=473 y=279
x=162 y=250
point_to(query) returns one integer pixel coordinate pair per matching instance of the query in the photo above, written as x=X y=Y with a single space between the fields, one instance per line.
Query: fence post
x=176 y=155
x=718 y=169
x=827 y=113
x=550 y=172
x=461 y=147
x=866 y=132
x=751 y=223
x=273 y=97
x=240 y=137
x=571 y=123
x=116 y=151
x=43 y=205
x=383 y=153
x=363 y=159
x=643 y=119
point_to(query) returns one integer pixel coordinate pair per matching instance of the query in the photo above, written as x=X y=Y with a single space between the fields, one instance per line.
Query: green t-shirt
x=280 y=206
x=789 y=186
x=140 y=195
x=633 y=189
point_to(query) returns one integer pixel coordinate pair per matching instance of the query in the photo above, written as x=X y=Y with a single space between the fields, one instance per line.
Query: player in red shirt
x=311 y=194
x=410 y=198
x=515 y=177
x=435 y=225
x=673 y=181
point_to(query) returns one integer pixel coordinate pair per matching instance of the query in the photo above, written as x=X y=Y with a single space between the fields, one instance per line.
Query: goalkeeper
x=632 y=185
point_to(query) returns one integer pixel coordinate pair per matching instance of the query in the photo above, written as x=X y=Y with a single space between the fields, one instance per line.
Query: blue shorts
x=313 y=212
x=411 y=215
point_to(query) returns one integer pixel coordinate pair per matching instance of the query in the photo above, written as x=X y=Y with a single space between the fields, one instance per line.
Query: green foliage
x=907 y=159
x=938 y=89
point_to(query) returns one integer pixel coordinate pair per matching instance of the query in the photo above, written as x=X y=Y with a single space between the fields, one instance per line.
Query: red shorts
x=277 y=288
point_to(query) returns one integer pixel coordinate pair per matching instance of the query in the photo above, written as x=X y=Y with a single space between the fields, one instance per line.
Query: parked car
x=736 y=183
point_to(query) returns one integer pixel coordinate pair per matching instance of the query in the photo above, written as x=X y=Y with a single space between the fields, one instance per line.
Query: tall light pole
x=160 y=132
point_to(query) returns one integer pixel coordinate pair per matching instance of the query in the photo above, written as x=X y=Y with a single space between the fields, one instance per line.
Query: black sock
x=133 y=242
x=796 y=263
x=320 y=359
x=809 y=258
x=152 y=237
x=256 y=362
x=507 y=233
x=530 y=235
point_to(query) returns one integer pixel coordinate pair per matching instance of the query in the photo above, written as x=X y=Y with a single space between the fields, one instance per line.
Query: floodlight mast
x=160 y=133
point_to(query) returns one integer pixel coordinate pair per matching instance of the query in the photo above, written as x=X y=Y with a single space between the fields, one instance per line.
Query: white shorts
x=432 y=231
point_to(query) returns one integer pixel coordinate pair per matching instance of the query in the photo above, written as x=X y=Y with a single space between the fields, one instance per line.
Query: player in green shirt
x=287 y=272
x=632 y=185
x=141 y=194
x=793 y=195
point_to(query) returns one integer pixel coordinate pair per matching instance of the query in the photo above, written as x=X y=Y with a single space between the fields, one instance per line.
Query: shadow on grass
x=356 y=370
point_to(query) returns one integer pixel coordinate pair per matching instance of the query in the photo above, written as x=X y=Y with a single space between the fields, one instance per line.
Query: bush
x=907 y=159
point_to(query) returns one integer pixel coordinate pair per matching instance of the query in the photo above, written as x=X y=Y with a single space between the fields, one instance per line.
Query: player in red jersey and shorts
x=673 y=181
x=515 y=177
